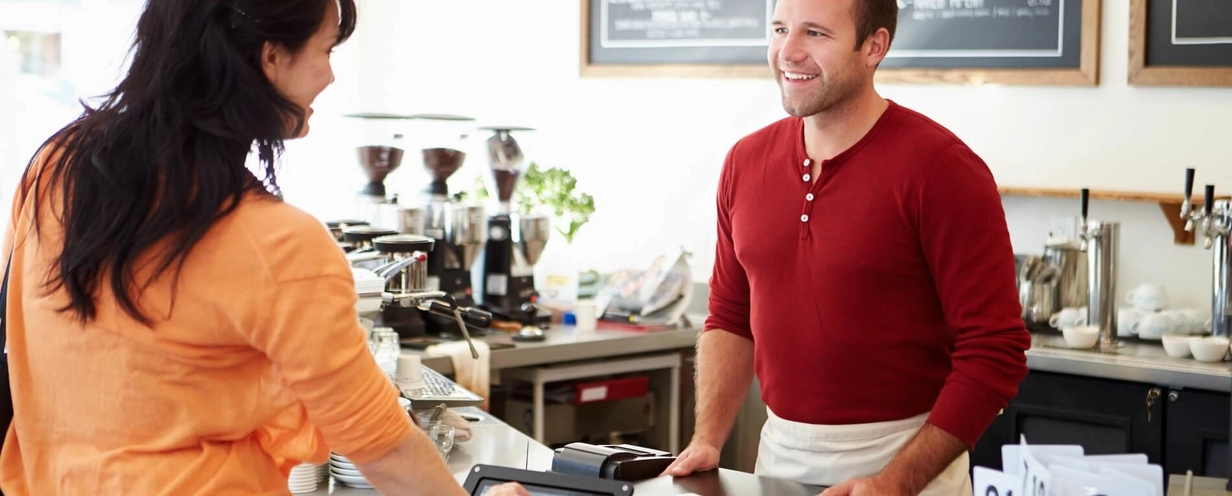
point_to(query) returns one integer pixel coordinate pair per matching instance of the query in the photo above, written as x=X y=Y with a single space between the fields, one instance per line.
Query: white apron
x=828 y=455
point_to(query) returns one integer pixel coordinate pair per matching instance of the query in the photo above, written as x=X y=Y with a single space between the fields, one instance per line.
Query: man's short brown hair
x=871 y=15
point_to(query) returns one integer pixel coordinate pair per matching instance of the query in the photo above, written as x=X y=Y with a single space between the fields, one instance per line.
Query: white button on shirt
x=804 y=218
x=807 y=162
x=808 y=197
x=807 y=177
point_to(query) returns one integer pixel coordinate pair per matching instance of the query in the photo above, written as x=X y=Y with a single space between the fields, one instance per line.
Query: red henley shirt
x=880 y=292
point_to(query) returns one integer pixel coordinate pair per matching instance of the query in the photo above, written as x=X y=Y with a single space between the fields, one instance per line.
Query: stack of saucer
x=305 y=477
x=345 y=472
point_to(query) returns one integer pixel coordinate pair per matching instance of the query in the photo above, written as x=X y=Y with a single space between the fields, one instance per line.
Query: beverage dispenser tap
x=1216 y=225
x=1101 y=242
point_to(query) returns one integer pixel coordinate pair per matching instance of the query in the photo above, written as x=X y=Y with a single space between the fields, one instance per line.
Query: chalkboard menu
x=680 y=31
x=936 y=40
x=1181 y=42
x=984 y=34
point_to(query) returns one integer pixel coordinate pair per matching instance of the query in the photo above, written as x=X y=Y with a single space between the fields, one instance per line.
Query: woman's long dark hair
x=162 y=158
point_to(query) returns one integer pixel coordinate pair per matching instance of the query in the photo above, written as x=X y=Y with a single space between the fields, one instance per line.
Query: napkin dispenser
x=617 y=462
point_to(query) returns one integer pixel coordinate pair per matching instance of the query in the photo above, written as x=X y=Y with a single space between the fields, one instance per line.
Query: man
x=863 y=270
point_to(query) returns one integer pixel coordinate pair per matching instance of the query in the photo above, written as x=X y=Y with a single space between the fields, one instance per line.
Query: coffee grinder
x=379 y=153
x=458 y=229
x=514 y=242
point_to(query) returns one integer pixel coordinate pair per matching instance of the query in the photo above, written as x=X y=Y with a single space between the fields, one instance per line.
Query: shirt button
x=807 y=162
x=804 y=218
x=807 y=177
x=808 y=197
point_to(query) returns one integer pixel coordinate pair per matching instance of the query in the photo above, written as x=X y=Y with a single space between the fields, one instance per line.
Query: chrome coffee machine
x=514 y=243
x=408 y=301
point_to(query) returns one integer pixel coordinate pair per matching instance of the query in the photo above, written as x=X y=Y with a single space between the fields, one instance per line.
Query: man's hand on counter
x=697 y=457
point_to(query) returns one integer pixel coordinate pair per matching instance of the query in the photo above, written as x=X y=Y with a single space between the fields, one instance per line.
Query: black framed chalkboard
x=1003 y=41
x=1181 y=42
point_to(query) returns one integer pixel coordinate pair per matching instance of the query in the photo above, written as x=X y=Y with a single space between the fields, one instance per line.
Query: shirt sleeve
x=729 y=286
x=310 y=331
x=966 y=244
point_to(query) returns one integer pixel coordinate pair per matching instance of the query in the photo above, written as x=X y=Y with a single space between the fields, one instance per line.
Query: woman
x=173 y=327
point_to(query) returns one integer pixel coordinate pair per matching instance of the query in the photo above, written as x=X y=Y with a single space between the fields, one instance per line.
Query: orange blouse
x=257 y=363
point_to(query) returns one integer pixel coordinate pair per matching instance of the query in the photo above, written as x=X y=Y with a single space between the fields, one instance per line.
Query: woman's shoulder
x=292 y=243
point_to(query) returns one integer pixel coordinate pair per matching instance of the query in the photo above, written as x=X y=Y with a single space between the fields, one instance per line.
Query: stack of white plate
x=305 y=477
x=345 y=472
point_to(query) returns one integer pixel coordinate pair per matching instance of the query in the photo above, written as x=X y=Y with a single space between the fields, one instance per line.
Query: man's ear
x=272 y=56
x=876 y=46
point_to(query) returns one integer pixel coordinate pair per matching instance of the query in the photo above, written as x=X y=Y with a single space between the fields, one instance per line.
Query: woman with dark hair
x=173 y=326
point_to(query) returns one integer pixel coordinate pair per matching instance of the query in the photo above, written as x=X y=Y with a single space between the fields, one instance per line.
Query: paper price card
x=990 y=482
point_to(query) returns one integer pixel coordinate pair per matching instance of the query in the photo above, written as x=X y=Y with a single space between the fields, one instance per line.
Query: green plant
x=554 y=189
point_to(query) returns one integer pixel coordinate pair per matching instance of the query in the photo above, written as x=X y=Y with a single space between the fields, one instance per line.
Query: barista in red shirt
x=863 y=271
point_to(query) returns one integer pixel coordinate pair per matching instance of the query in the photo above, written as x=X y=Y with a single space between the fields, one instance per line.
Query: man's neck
x=831 y=132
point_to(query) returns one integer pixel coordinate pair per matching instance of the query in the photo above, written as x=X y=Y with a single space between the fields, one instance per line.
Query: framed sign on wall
x=1180 y=43
x=1046 y=42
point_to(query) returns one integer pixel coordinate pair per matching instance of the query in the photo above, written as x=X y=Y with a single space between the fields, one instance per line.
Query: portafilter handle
x=447 y=306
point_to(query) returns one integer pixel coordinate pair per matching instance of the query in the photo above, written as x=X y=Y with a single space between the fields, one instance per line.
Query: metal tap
x=1216 y=222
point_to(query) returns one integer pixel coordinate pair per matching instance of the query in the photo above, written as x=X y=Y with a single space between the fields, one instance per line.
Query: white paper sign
x=989 y=482
x=1036 y=478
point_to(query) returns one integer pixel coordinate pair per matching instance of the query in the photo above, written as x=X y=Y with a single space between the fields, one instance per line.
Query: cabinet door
x=1102 y=416
x=1197 y=433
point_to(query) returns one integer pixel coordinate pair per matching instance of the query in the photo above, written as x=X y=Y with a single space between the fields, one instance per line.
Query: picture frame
x=1145 y=72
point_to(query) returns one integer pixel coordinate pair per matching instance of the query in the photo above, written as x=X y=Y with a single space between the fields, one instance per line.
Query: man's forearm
x=413 y=467
x=724 y=374
x=923 y=459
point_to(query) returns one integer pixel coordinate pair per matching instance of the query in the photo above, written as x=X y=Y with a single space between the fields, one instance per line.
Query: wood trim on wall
x=1142 y=75
x=1086 y=75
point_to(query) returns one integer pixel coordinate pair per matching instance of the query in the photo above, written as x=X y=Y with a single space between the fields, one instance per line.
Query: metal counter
x=1135 y=362
x=495 y=443
x=568 y=344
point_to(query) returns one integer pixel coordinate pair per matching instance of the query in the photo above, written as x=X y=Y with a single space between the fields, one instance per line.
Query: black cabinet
x=1103 y=416
x=1196 y=433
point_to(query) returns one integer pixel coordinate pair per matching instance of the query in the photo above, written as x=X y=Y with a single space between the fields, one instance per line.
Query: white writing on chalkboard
x=684 y=23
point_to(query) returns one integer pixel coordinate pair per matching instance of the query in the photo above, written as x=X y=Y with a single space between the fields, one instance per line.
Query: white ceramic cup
x=1069 y=317
x=586 y=313
x=1128 y=320
x=1081 y=337
x=1148 y=297
x=1155 y=325
x=1209 y=349
x=410 y=374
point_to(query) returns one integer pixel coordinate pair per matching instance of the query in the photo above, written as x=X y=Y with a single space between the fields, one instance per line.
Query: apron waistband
x=798 y=431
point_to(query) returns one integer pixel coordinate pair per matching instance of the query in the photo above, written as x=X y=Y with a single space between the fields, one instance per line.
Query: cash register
x=578 y=469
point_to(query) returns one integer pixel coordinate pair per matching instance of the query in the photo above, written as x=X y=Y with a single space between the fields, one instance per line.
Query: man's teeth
x=799 y=77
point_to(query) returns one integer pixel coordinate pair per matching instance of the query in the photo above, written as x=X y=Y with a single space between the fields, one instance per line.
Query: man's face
x=814 y=56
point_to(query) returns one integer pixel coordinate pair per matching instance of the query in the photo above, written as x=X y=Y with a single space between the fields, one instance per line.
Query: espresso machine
x=514 y=242
x=407 y=301
x=1216 y=219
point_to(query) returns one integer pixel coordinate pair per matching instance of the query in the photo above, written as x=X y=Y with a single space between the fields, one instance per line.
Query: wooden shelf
x=1169 y=203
